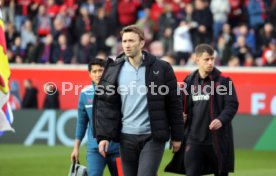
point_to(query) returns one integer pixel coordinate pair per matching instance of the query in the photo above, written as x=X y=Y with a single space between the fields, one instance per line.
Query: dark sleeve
x=231 y=103
x=185 y=93
x=187 y=102
x=106 y=108
x=174 y=105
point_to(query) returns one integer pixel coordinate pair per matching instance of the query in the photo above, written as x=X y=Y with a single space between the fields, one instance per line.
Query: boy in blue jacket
x=95 y=162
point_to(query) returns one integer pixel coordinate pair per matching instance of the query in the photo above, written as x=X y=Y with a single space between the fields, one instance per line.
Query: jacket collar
x=148 y=59
x=213 y=75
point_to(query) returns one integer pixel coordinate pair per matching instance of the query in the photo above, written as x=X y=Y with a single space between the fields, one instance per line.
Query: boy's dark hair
x=135 y=29
x=201 y=48
x=96 y=61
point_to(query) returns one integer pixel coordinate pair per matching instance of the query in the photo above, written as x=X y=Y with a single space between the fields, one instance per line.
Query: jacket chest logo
x=90 y=100
x=156 y=72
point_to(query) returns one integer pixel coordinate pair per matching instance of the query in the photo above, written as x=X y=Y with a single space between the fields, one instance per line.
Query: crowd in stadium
x=74 y=31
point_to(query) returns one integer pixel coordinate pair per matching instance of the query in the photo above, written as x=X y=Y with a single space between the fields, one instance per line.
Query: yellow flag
x=6 y=116
x=4 y=63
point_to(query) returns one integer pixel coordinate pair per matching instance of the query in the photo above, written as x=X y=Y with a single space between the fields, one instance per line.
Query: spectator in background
x=147 y=3
x=127 y=10
x=33 y=8
x=18 y=52
x=10 y=35
x=51 y=100
x=43 y=52
x=270 y=58
x=8 y=11
x=223 y=50
x=249 y=36
x=27 y=35
x=167 y=24
x=62 y=52
x=156 y=11
x=233 y=62
x=236 y=14
x=52 y=8
x=178 y=8
x=113 y=44
x=249 y=60
x=227 y=34
x=83 y=22
x=272 y=13
x=145 y=23
x=192 y=60
x=182 y=43
x=269 y=54
x=57 y=29
x=267 y=34
x=86 y=49
x=220 y=10
x=157 y=48
x=166 y=20
x=101 y=29
x=29 y=100
x=204 y=18
x=91 y=6
x=256 y=14
x=21 y=12
x=42 y=22
x=35 y=51
x=65 y=16
x=111 y=12
x=189 y=9
x=240 y=49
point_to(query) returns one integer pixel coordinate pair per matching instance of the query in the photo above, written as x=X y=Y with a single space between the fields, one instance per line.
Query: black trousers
x=198 y=156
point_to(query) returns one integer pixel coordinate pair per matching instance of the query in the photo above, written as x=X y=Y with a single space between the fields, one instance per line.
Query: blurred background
x=49 y=43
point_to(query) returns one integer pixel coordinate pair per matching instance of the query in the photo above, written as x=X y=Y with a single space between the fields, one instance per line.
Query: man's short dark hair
x=96 y=61
x=135 y=29
x=201 y=48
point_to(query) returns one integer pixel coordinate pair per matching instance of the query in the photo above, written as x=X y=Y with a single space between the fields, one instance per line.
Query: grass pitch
x=18 y=160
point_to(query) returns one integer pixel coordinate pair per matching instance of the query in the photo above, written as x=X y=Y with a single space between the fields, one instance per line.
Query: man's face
x=132 y=44
x=205 y=62
x=96 y=73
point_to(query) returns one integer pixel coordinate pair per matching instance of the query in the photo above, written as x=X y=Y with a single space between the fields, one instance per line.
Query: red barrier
x=256 y=88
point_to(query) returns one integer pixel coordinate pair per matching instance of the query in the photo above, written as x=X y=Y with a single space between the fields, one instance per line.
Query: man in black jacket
x=211 y=104
x=30 y=97
x=137 y=105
